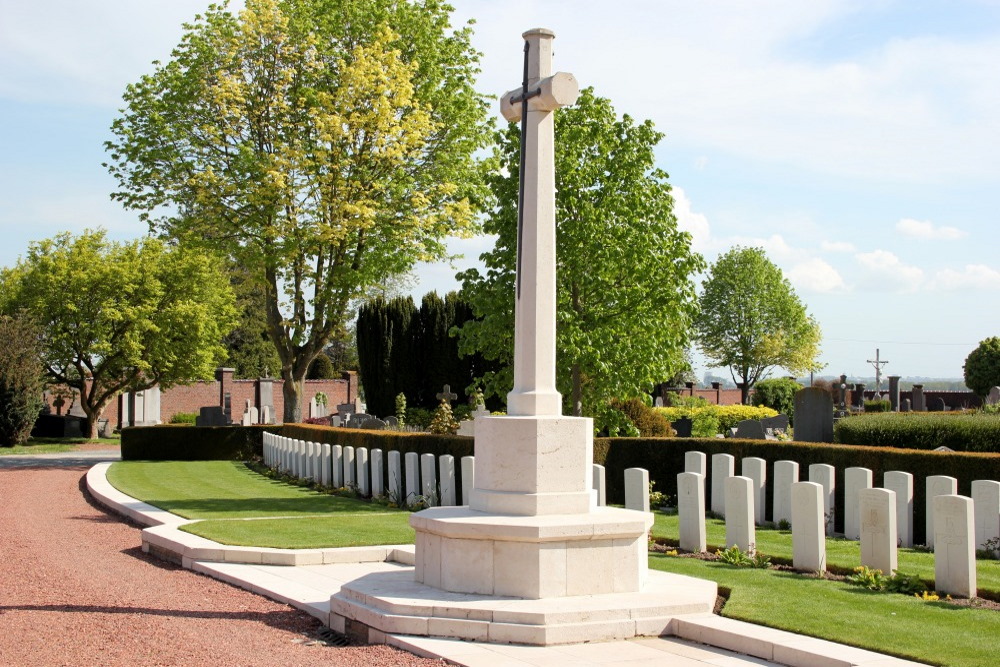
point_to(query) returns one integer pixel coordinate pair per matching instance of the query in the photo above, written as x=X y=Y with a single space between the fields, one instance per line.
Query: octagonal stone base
x=547 y=556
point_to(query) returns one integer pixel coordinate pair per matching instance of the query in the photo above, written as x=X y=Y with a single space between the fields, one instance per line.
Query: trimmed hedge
x=664 y=459
x=728 y=415
x=960 y=432
x=181 y=442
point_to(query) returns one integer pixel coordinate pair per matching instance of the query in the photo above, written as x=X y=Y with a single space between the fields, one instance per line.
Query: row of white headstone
x=954 y=557
x=985 y=495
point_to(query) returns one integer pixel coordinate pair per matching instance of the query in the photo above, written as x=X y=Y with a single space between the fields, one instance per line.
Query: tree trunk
x=291 y=390
x=577 y=397
x=93 y=413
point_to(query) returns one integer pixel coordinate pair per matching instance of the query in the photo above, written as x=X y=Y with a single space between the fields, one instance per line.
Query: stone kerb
x=878 y=529
x=740 y=529
x=808 y=527
x=955 y=549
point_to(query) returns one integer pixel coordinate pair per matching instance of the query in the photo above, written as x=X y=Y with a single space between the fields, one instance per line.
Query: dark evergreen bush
x=21 y=379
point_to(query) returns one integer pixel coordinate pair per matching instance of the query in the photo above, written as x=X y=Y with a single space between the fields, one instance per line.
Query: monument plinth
x=532 y=558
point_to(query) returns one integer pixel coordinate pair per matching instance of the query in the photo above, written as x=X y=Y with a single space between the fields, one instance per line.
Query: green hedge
x=728 y=415
x=664 y=459
x=961 y=432
x=181 y=442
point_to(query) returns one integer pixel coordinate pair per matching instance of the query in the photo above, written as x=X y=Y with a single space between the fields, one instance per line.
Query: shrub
x=728 y=415
x=443 y=422
x=614 y=423
x=675 y=400
x=960 y=432
x=777 y=394
x=982 y=366
x=401 y=409
x=184 y=418
x=180 y=442
x=704 y=424
x=878 y=405
x=650 y=423
x=21 y=381
x=419 y=417
x=321 y=368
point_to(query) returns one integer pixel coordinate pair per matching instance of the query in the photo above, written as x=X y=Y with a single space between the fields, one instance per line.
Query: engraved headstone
x=954 y=546
x=936 y=485
x=778 y=422
x=446 y=464
x=637 y=489
x=412 y=460
x=786 y=473
x=813 y=415
x=740 y=529
x=756 y=469
x=750 y=429
x=378 y=473
x=902 y=484
x=723 y=467
x=855 y=481
x=364 y=481
x=468 y=477
x=986 y=503
x=600 y=494
x=682 y=427
x=808 y=527
x=428 y=476
x=691 y=511
x=878 y=529
x=824 y=475
x=395 y=477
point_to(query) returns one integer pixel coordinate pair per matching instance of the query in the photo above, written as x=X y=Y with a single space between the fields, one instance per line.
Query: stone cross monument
x=532 y=528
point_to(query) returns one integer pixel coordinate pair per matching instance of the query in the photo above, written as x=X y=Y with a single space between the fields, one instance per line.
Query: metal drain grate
x=332 y=638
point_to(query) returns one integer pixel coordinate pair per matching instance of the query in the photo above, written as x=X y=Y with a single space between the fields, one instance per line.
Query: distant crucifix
x=447 y=394
x=533 y=104
x=878 y=364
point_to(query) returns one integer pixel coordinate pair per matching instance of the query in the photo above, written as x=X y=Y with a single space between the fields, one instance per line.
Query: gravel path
x=76 y=589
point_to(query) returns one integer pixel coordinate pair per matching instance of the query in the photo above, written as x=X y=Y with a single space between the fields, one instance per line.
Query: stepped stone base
x=384 y=603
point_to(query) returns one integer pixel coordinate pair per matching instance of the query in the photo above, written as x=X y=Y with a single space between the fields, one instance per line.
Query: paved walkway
x=705 y=639
x=59 y=460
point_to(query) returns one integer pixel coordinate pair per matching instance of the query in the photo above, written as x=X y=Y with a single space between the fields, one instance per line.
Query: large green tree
x=751 y=320
x=324 y=144
x=626 y=300
x=982 y=366
x=21 y=378
x=122 y=316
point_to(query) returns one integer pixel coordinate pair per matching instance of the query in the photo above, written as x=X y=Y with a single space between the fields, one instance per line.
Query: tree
x=325 y=145
x=122 y=316
x=321 y=369
x=21 y=378
x=982 y=367
x=626 y=301
x=251 y=352
x=751 y=320
x=777 y=394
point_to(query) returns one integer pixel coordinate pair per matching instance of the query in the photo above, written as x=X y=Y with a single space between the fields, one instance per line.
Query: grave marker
x=740 y=529
x=600 y=494
x=878 y=529
x=637 y=489
x=855 y=480
x=378 y=473
x=756 y=469
x=446 y=463
x=936 y=485
x=825 y=475
x=986 y=504
x=691 y=511
x=954 y=546
x=723 y=467
x=902 y=484
x=813 y=415
x=809 y=527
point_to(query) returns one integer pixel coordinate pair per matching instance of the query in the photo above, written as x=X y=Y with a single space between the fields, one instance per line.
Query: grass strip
x=841 y=553
x=359 y=529
x=934 y=632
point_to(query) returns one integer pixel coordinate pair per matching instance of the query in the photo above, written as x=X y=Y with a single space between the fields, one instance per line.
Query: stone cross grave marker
x=446 y=394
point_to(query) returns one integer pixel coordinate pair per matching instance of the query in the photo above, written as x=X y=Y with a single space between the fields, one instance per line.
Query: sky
x=857 y=142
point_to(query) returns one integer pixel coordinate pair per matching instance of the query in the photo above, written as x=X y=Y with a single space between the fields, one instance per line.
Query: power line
x=893 y=342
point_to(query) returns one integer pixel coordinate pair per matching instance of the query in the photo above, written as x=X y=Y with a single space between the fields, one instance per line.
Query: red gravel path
x=76 y=589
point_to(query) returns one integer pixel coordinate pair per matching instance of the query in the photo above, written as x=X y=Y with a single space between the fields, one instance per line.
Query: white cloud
x=973 y=276
x=884 y=271
x=815 y=275
x=689 y=221
x=837 y=246
x=775 y=245
x=919 y=229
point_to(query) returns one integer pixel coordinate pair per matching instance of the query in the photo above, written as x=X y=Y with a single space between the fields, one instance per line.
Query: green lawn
x=55 y=445
x=933 y=632
x=839 y=552
x=285 y=516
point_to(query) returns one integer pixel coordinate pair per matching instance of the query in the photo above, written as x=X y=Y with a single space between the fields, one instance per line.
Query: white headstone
x=986 y=501
x=637 y=489
x=954 y=546
x=808 y=527
x=723 y=467
x=936 y=485
x=696 y=462
x=468 y=477
x=446 y=463
x=395 y=476
x=254 y=417
x=740 y=529
x=429 y=477
x=786 y=473
x=756 y=469
x=902 y=484
x=364 y=481
x=412 y=460
x=855 y=480
x=337 y=466
x=265 y=415
x=349 y=470
x=378 y=473
x=878 y=529
x=823 y=475
x=599 y=485
x=326 y=463
x=691 y=511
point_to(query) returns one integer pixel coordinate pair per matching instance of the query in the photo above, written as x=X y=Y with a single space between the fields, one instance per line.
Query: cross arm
x=559 y=90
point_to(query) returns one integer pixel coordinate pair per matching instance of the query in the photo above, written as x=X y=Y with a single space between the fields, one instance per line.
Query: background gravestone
x=994 y=396
x=750 y=429
x=777 y=422
x=683 y=427
x=938 y=405
x=813 y=415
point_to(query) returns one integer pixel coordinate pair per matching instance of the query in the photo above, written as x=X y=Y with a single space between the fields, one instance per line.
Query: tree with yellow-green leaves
x=324 y=145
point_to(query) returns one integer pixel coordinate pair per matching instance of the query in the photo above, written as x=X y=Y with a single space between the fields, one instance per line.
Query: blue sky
x=856 y=141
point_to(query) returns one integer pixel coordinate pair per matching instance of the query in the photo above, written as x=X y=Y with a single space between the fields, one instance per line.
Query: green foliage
x=326 y=145
x=443 y=422
x=982 y=366
x=974 y=432
x=401 y=408
x=777 y=394
x=321 y=368
x=675 y=400
x=906 y=584
x=184 y=418
x=751 y=558
x=181 y=442
x=650 y=423
x=728 y=416
x=704 y=424
x=21 y=378
x=405 y=350
x=871 y=578
x=614 y=423
x=878 y=405
x=751 y=320
x=625 y=298
x=251 y=354
x=141 y=313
